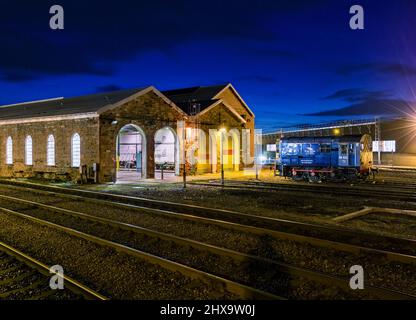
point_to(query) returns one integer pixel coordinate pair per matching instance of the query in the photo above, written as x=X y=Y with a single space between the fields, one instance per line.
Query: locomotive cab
x=331 y=158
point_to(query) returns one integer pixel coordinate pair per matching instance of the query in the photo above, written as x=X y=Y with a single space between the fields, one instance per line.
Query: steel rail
x=72 y=284
x=291 y=270
x=393 y=194
x=224 y=218
x=233 y=287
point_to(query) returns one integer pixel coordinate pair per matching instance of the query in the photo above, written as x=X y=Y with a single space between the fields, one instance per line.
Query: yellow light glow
x=337 y=131
x=188 y=132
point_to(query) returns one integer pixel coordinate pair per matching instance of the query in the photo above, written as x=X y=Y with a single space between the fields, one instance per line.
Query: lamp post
x=184 y=158
x=222 y=131
x=187 y=140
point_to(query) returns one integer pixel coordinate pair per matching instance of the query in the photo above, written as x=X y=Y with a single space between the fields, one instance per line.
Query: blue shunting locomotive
x=326 y=158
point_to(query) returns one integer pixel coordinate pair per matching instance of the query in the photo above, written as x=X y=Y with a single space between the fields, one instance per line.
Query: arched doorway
x=131 y=153
x=227 y=150
x=166 y=153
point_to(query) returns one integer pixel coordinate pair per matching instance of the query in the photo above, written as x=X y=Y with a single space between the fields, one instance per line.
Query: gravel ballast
x=113 y=274
x=397 y=276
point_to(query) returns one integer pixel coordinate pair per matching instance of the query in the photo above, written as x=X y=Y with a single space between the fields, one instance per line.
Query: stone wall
x=39 y=131
x=149 y=112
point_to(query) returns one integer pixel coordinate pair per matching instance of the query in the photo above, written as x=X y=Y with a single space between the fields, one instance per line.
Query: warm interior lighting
x=188 y=133
x=337 y=132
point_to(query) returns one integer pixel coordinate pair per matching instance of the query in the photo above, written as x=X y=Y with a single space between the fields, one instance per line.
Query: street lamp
x=186 y=135
x=222 y=131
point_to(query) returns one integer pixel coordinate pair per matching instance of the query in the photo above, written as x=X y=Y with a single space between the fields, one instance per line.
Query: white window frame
x=76 y=150
x=9 y=150
x=29 y=151
x=50 y=151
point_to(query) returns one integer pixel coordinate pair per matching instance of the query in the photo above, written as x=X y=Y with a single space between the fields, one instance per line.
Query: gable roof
x=187 y=97
x=64 y=106
x=203 y=96
x=94 y=103
x=182 y=100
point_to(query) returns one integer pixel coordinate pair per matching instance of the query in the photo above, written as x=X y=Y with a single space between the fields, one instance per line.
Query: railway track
x=291 y=271
x=351 y=240
x=238 y=289
x=238 y=257
x=364 y=191
x=24 y=278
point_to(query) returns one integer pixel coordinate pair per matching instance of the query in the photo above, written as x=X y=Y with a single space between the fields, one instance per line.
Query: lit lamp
x=337 y=131
x=222 y=131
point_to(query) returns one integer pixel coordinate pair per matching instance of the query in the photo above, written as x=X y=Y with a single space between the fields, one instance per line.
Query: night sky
x=293 y=62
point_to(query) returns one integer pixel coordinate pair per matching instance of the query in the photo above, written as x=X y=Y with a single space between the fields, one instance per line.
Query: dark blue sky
x=294 y=61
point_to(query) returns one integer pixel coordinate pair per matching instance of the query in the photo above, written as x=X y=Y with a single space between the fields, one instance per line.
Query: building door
x=130 y=163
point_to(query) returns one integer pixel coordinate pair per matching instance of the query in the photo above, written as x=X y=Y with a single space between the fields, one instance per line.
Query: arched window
x=28 y=151
x=50 y=151
x=9 y=151
x=76 y=150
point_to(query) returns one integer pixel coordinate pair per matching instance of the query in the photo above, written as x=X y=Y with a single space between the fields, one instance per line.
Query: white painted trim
x=230 y=86
x=74 y=116
x=212 y=106
x=29 y=102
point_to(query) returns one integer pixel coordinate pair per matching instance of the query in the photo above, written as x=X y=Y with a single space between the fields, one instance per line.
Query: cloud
x=365 y=103
x=109 y=88
x=274 y=53
x=258 y=78
x=356 y=94
x=380 y=68
x=99 y=34
x=374 y=107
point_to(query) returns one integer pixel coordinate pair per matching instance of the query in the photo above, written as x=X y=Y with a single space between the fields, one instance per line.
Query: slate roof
x=64 y=106
x=188 y=97
x=184 y=98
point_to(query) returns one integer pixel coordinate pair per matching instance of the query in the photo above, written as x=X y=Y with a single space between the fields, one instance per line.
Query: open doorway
x=166 y=153
x=131 y=153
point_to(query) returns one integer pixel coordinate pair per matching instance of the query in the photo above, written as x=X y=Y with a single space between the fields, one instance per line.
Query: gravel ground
x=261 y=276
x=151 y=219
x=20 y=282
x=298 y=206
x=386 y=224
x=114 y=274
x=379 y=272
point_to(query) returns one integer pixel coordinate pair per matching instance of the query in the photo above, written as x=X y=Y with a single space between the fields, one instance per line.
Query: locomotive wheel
x=314 y=179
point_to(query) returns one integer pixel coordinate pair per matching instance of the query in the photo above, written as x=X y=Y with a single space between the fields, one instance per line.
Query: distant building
x=394 y=139
x=123 y=135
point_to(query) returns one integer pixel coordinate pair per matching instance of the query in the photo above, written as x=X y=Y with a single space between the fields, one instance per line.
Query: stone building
x=125 y=135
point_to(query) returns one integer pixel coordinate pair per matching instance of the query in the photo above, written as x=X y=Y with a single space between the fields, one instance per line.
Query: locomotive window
x=344 y=149
x=291 y=148
x=310 y=149
x=325 y=148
